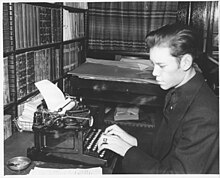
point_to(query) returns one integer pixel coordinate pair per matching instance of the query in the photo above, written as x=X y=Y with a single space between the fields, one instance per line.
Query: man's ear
x=186 y=62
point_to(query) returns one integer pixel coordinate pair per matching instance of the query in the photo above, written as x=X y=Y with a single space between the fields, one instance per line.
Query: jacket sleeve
x=195 y=152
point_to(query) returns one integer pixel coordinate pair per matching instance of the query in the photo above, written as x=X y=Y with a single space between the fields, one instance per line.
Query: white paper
x=52 y=95
x=70 y=171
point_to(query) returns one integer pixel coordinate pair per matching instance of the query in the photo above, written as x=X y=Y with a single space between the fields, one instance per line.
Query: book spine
x=6 y=94
x=53 y=63
x=24 y=21
x=37 y=25
x=57 y=63
x=12 y=77
x=28 y=25
x=72 y=57
x=6 y=28
x=41 y=25
x=36 y=65
x=43 y=64
x=16 y=17
x=40 y=60
x=34 y=26
x=30 y=71
x=20 y=26
x=53 y=25
x=45 y=25
x=77 y=60
x=48 y=63
x=59 y=25
x=21 y=75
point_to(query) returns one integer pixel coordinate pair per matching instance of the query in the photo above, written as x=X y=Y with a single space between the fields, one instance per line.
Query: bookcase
x=40 y=41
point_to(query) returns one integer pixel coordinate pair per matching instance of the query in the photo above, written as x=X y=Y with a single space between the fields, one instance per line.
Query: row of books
x=71 y=56
x=36 y=25
x=81 y=5
x=73 y=25
x=34 y=66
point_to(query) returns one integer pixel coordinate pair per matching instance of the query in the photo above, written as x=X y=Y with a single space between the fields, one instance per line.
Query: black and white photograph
x=110 y=88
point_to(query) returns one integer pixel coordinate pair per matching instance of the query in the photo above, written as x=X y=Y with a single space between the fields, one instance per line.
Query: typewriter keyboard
x=90 y=144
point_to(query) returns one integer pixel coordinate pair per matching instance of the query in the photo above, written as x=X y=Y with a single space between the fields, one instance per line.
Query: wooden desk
x=17 y=145
x=115 y=84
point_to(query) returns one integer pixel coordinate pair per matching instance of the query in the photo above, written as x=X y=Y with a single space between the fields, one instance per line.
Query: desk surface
x=17 y=145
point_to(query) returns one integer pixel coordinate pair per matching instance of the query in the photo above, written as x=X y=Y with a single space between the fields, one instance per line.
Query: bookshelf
x=40 y=41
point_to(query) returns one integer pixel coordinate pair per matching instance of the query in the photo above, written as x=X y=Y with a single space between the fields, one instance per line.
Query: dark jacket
x=187 y=140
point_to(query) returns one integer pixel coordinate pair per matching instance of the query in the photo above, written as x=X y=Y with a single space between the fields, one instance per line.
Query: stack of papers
x=69 y=171
x=137 y=64
x=115 y=71
x=25 y=120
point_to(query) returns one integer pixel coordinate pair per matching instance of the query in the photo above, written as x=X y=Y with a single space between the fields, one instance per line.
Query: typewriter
x=68 y=138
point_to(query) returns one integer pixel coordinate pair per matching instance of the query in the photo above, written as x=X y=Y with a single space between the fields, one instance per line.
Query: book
x=36 y=65
x=37 y=26
x=48 y=63
x=72 y=56
x=45 y=25
x=66 y=57
x=24 y=25
x=21 y=75
x=34 y=15
x=6 y=28
x=57 y=59
x=31 y=25
x=81 y=25
x=16 y=17
x=20 y=26
x=52 y=65
x=6 y=94
x=11 y=78
x=55 y=25
x=30 y=72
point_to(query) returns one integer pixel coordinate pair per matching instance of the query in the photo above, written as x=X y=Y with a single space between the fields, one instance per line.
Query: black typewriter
x=68 y=138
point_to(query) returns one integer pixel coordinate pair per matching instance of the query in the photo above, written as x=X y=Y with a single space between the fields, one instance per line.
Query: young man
x=187 y=140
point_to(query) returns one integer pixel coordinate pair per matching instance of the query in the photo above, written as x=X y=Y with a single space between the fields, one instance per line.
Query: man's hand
x=117 y=140
x=114 y=143
x=116 y=130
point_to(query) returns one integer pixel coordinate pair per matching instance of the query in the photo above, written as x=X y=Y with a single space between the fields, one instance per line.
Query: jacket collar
x=185 y=95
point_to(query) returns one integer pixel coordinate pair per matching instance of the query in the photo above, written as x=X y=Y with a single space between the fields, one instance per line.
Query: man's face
x=167 y=70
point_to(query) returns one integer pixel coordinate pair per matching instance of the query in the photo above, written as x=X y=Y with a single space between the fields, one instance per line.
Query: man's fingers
x=110 y=128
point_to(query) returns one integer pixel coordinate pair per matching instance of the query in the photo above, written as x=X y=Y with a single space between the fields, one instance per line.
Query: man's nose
x=155 y=71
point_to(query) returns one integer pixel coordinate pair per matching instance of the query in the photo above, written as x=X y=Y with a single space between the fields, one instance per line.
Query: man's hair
x=181 y=39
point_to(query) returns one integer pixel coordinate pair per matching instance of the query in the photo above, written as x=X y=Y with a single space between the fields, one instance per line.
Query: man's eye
x=162 y=66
